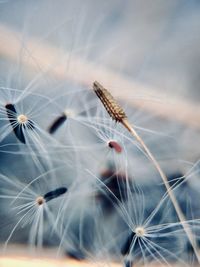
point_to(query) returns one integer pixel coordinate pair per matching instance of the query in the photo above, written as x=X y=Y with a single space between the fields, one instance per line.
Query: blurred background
x=147 y=52
x=152 y=42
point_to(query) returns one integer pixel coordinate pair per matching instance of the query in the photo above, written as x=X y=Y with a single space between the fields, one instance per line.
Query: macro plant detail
x=18 y=122
x=99 y=133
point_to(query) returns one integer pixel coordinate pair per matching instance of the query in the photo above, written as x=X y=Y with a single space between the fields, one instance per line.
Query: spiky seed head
x=110 y=104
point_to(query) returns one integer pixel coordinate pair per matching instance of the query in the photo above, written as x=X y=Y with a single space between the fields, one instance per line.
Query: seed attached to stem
x=110 y=104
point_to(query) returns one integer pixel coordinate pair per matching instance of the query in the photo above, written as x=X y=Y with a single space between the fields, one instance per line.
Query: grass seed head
x=110 y=104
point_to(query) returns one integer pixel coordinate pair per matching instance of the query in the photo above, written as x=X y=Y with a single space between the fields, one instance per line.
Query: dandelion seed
x=72 y=107
x=21 y=115
x=150 y=234
x=28 y=207
x=110 y=141
x=18 y=122
x=51 y=195
x=116 y=146
x=57 y=123
x=55 y=193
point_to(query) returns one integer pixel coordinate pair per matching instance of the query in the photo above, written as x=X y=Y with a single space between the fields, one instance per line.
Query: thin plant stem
x=117 y=113
x=179 y=212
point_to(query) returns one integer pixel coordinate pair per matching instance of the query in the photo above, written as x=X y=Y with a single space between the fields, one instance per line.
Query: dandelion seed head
x=22 y=119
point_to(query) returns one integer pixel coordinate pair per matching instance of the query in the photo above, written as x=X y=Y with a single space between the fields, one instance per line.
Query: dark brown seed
x=55 y=193
x=57 y=123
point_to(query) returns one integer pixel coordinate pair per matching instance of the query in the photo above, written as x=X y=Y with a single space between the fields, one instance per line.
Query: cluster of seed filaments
x=140 y=231
x=110 y=104
x=22 y=119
